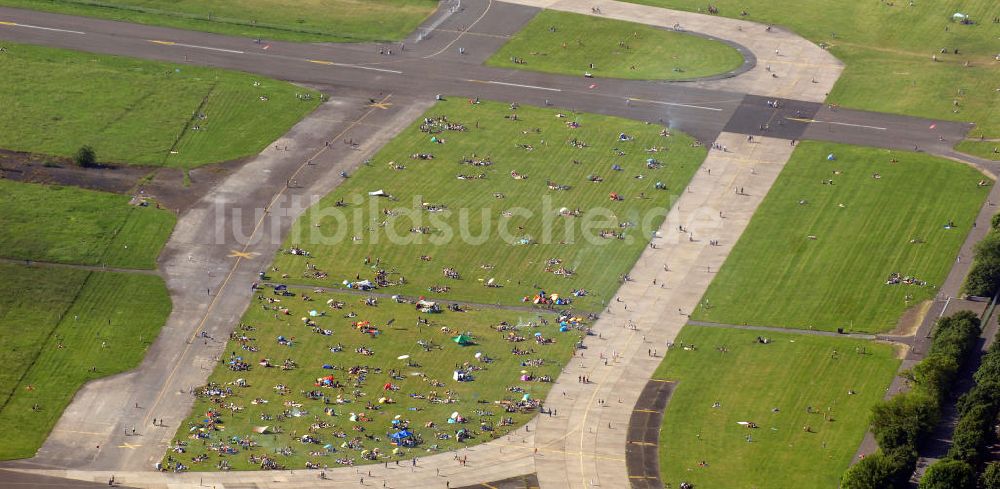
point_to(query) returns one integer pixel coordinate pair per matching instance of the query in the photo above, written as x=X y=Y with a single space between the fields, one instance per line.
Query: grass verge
x=518 y=232
x=983 y=149
x=302 y=20
x=61 y=329
x=568 y=44
x=804 y=394
x=140 y=112
x=887 y=47
x=72 y=225
x=820 y=249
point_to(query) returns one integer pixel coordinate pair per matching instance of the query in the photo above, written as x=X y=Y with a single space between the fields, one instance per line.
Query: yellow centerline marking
x=320 y=61
x=165 y=43
x=7 y=23
x=241 y=254
x=236 y=264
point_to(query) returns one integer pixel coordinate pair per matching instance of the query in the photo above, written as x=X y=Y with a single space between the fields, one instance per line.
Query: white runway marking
x=674 y=104
x=853 y=125
x=29 y=26
x=209 y=48
x=344 y=65
x=195 y=46
x=522 y=86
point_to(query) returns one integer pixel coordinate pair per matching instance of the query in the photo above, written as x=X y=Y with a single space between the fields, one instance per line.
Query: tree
x=881 y=470
x=984 y=277
x=949 y=474
x=85 y=157
x=871 y=472
x=973 y=434
x=900 y=421
x=991 y=477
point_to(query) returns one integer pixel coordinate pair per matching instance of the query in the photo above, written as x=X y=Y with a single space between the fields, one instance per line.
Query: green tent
x=463 y=340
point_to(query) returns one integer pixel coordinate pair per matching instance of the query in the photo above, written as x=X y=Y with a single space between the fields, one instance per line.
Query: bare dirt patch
x=911 y=319
x=166 y=186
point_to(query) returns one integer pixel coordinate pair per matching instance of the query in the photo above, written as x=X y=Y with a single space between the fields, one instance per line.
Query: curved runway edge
x=642 y=456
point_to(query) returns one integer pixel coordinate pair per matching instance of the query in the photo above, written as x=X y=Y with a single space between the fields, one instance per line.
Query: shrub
x=984 y=277
x=85 y=157
x=949 y=474
x=973 y=434
x=991 y=477
x=902 y=421
x=870 y=472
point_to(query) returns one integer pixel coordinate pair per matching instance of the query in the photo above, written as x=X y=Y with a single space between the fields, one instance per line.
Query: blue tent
x=401 y=434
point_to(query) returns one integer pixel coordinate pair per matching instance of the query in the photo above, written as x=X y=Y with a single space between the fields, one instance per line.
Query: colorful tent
x=463 y=340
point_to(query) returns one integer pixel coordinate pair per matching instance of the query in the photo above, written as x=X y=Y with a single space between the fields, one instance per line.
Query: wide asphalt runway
x=424 y=65
x=431 y=65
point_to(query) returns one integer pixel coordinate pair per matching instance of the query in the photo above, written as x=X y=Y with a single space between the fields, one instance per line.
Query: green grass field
x=56 y=326
x=140 y=112
x=420 y=388
x=887 y=47
x=298 y=20
x=565 y=43
x=983 y=149
x=479 y=233
x=792 y=373
x=72 y=225
x=865 y=229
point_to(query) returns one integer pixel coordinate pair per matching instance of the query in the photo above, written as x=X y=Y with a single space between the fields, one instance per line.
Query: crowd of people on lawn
x=357 y=409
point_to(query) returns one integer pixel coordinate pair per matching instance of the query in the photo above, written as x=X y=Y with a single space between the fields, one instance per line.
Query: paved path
x=948 y=300
x=772 y=329
x=205 y=254
x=657 y=311
x=212 y=256
x=91 y=268
x=221 y=242
x=788 y=66
x=574 y=446
x=937 y=444
x=642 y=455
x=434 y=66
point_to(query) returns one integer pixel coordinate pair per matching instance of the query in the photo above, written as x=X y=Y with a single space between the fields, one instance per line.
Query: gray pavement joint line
x=673 y=104
x=777 y=329
x=807 y=121
x=194 y=46
x=519 y=85
x=448 y=46
x=236 y=265
x=359 y=67
x=586 y=412
x=91 y=268
x=29 y=26
x=852 y=125
x=316 y=61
